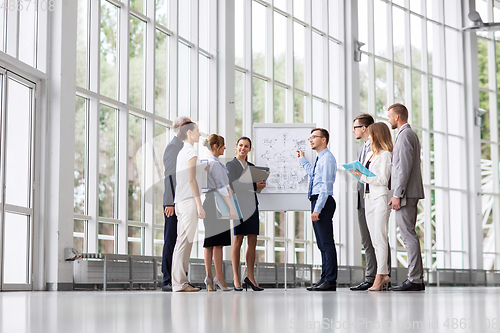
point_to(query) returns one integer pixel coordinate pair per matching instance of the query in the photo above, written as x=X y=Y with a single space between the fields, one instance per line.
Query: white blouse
x=183 y=189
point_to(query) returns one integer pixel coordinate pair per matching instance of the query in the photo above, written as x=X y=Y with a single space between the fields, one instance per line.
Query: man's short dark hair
x=324 y=133
x=364 y=119
x=400 y=110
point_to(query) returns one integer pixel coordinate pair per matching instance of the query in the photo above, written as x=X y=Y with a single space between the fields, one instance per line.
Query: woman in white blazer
x=377 y=211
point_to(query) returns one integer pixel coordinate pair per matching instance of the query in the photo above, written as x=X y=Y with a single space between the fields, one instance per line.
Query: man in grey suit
x=360 y=130
x=406 y=181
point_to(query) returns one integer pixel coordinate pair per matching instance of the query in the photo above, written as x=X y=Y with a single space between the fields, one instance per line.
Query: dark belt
x=313 y=197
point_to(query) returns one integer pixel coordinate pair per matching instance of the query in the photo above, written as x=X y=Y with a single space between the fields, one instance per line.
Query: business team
x=397 y=184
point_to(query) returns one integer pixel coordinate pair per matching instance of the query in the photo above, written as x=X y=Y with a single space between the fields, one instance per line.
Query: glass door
x=17 y=100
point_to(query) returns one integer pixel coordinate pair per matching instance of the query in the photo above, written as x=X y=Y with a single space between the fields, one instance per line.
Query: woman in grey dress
x=217 y=231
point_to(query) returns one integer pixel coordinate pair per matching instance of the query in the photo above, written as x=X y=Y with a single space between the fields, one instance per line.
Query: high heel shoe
x=219 y=284
x=249 y=283
x=210 y=284
x=384 y=283
x=237 y=288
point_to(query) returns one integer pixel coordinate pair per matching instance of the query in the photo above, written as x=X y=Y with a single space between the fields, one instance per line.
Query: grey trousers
x=407 y=219
x=371 y=260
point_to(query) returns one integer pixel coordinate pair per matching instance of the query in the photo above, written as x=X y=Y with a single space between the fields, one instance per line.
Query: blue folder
x=223 y=209
x=360 y=167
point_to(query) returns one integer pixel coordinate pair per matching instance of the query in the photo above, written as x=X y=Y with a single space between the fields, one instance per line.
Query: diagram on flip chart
x=276 y=148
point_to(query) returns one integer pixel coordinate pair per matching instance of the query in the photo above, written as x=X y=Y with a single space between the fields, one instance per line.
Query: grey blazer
x=361 y=187
x=406 y=175
x=245 y=193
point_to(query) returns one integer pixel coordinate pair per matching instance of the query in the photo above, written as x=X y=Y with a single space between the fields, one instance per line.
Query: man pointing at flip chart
x=322 y=176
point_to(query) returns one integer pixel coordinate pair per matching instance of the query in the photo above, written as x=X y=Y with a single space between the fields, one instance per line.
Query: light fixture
x=357 y=52
x=479 y=116
x=478 y=24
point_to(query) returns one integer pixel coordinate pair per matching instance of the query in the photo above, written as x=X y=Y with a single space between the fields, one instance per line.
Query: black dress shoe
x=325 y=286
x=362 y=286
x=167 y=288
x=423 y=286
x=408 y=286
x=237 y=288
x=314 y=285
x=249 y=283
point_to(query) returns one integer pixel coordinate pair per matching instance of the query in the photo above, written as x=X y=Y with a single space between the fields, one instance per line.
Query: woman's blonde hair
x=381 y=137
x=213 y=140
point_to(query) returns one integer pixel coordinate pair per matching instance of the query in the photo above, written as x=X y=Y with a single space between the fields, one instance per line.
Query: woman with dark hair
x=188 y=207
x=377 y=211
x=249 y=225
x=217 y=231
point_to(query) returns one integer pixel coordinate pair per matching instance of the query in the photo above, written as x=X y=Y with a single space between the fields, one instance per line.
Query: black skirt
x=247 y=200
x=217 y=231
x=249 y=226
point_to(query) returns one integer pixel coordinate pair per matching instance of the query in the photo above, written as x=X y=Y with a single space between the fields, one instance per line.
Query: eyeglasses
x=358 y=126
x=312 y=137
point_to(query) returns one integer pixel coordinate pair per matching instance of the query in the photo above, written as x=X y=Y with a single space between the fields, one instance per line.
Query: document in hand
x=255 y=174
x=358 y=166
x=223 y=209
x=259 y=174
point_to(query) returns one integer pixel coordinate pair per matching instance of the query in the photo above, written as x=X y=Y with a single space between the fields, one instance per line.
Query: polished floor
x=444 y=309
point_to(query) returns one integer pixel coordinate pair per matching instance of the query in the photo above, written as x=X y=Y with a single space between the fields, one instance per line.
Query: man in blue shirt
x=322 y=177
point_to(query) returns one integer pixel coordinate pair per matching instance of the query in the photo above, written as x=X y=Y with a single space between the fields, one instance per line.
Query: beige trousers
x=377 y=213
x=187 y=221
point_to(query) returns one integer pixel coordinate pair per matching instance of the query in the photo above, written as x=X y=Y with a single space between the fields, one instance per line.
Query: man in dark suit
x=406 y=182
x=170 y=229
x=360 y=130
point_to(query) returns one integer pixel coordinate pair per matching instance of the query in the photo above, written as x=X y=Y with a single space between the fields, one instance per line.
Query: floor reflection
x=273 y=310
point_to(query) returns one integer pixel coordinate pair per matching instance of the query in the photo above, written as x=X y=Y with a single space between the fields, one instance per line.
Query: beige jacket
x=381 y=167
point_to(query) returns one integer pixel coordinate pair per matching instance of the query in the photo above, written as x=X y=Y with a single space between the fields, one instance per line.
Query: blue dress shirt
x=323 y=177
x=218 y=178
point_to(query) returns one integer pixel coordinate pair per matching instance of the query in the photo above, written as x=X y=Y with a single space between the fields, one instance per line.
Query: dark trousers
x=323 y=230
x=169 y=238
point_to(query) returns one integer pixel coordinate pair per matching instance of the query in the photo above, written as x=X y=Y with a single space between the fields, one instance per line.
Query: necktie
x=309 y=193
x=363 y=153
